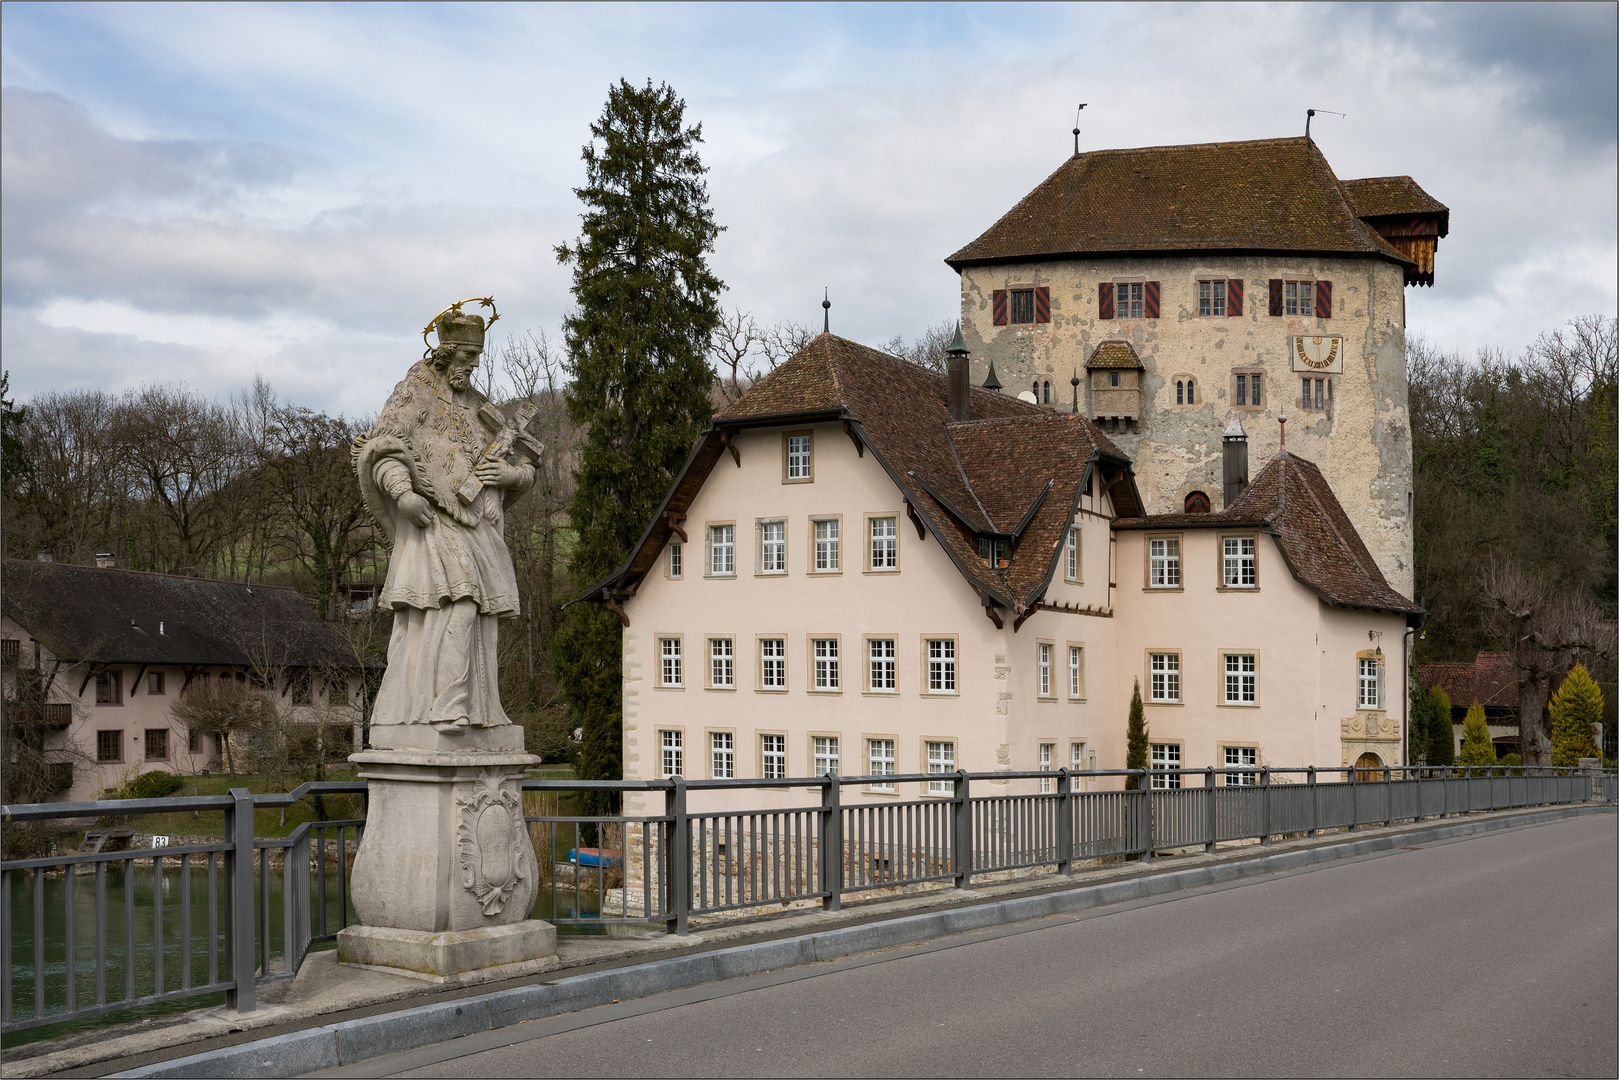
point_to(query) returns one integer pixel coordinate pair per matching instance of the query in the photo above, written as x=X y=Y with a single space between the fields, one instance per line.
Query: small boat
x=589 y=856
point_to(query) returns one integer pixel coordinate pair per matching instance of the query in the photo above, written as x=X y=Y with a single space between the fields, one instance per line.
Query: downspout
x=1405 y=693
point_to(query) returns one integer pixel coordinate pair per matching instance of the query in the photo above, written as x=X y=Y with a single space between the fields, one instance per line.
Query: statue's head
x=460 y=342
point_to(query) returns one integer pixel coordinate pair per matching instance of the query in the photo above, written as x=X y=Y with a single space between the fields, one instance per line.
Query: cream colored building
x=867 y=568
x=117 y=649
x=1239 y=278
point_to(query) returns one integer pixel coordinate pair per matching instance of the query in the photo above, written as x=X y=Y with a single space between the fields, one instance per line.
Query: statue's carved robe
x=450 y=582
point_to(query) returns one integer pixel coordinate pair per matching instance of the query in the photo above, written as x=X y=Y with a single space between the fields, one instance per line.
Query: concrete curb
x=359 y=1040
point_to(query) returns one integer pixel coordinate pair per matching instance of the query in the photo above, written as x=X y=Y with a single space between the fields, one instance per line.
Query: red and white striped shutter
x=1042 y=303
x=1149 y=301
x=997 y=305
x=1275 y=296
x=1104 y=300
x=1233 y=296
x=1323 y=299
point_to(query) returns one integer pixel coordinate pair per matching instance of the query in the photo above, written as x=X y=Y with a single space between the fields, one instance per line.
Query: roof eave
x=1170 y=253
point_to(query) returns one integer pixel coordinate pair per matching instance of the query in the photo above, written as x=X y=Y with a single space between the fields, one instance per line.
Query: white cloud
x=294 y=189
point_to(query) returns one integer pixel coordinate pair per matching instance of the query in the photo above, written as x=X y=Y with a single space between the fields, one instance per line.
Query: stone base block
x=454 y=956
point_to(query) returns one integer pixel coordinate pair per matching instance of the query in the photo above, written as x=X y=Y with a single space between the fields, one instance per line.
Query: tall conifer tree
x=1135 y=749
x=637 y=344
x=1477 y=749
x=1441 y=729
x=1575 y=707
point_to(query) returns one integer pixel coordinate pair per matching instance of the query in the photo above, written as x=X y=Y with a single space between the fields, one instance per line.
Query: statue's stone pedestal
x=445 y=876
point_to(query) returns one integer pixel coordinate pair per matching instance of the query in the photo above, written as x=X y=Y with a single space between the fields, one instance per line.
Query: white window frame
x=676 y=561
x=941 y=758
x=1241 y=757
x=772 y=756
x=1044 y=755
x=826 y=752
x=825 y=676
x=1164 y=562
x=672 y=747
x=722 y=550
x=1164 y=682
x=772 y=534
x=772 y=663
x=722 y=755
x=880 y=762
x=722 y=663
x=1239 y=562
x=1165 y=756
x=1072 y=565
x=1369 y=683
x=1076 y=756
x=1042 y=652
x=882 y=665
x=940 y=673
x=671 y=658
x=1076 y=672
x=882 y=548
x=1240 y=680
x=826 y=538
x=1211 y=297
x=798 y=457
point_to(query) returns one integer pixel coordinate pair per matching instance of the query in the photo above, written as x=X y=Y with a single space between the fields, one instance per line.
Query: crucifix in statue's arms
x=511 y=437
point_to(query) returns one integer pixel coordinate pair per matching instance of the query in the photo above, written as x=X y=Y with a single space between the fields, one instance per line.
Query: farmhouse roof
x=1014 y=470
x=104 y=615
x=1490 y=680
x=1293 y=502
x=1265 y=195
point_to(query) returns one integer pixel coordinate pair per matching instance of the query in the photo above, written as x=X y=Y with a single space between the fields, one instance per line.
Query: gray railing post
x=1208 y=816
x=1145 y=801
x=1264 y=804
x=963 y=853
x=1315 y=806
x=1388 y=795
x=1065 y=822
x=239 y=900
x=831 y=853
x=679 y=860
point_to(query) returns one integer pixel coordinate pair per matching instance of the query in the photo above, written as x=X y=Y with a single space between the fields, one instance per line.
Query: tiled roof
x=1292 y=501
x=1113 y=354
x=983 y=475
x=1260 y=196
x=1394 y=196
x=131 y=617
x=1490 y=680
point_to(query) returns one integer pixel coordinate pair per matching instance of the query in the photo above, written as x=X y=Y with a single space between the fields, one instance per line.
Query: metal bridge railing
x=222 y=932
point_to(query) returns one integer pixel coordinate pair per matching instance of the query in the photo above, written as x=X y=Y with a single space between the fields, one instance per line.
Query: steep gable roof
x=1113 y=354
x=1293 y=502
x=87 y=613
x=1014 y=470
x=1260 y=196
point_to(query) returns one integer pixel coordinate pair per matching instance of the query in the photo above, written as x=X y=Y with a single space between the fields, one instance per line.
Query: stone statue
x=445 y=876
x=438 y=484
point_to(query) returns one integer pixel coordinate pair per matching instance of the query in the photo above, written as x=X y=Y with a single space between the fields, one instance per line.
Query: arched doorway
x=1368 y=767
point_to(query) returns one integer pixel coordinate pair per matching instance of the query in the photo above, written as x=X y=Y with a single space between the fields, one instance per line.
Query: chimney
x=1234 y=456
x=957 y=382
x=105 y=560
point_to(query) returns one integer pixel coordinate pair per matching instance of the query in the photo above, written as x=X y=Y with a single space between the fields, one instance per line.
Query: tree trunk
x=1532 y=719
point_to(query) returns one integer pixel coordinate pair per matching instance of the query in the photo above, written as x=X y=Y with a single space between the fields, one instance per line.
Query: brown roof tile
x=1490 y=680
x=1292 y=501
x=983 y=475
x=1113 y=354
x=1394 y=196
x=1263 y=195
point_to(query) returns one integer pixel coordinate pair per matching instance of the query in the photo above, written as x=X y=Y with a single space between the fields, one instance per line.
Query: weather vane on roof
x=1077 y=111
x=1308 y=113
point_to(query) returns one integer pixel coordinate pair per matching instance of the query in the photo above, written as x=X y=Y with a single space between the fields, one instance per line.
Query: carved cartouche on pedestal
x=445 y=876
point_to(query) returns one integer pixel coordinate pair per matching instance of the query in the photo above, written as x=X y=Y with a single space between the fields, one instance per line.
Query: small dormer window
x=996 y=552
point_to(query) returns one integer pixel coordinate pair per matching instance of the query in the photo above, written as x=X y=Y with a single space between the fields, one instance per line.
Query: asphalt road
x=1495 y=956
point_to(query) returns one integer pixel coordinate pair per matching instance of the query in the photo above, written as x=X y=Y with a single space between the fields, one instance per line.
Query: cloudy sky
x=199 y=193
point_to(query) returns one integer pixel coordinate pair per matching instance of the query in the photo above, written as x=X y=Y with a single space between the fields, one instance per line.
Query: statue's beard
x=460 y=380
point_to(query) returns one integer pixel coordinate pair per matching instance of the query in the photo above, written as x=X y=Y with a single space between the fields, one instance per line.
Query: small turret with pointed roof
x=991 y=383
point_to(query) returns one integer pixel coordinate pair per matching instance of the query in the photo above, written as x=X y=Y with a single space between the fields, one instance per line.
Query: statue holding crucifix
x=438 y=469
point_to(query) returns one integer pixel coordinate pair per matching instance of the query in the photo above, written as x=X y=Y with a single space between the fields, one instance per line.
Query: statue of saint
x=437 y=479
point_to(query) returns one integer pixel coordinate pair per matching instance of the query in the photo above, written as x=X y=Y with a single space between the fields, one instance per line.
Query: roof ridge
x=1277 y=139
x=966 y=480
x=151 y=573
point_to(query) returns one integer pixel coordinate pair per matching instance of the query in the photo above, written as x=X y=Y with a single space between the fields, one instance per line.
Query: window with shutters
x=1301 y=297
x=1022 y=305
x=1130 y=299
x=798 y=457
x=1211 y=297
x=773 y=663
x=1315 y=394
x=773 y=547
x=1247 y=389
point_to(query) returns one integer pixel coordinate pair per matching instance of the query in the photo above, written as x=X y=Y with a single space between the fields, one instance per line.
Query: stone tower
x=1187 y=285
